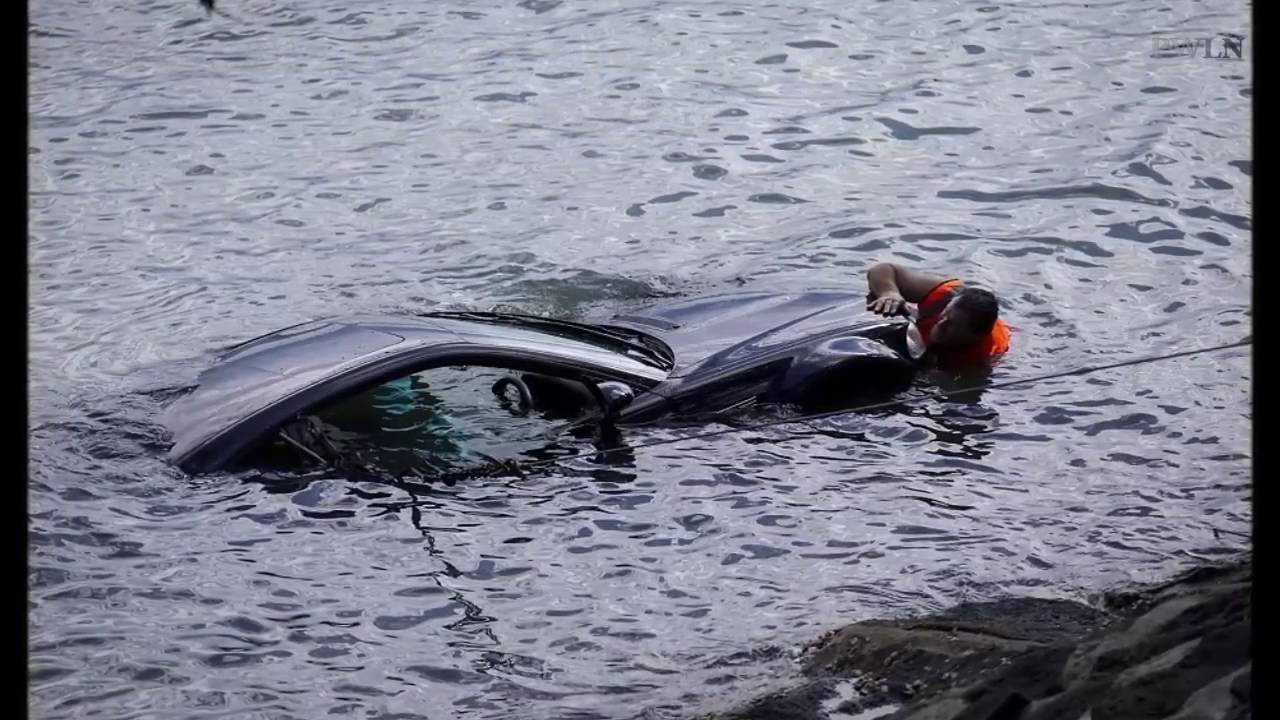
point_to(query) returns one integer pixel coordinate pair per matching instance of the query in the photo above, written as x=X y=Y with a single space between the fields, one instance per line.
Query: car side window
x=440 y=419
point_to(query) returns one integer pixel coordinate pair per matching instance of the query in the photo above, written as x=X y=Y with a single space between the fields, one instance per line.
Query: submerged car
x=699 y=358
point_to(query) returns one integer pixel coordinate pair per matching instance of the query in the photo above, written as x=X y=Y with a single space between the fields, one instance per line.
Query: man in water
x=956 y=327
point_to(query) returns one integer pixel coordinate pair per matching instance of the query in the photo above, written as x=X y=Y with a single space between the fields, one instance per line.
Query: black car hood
x=714 y=331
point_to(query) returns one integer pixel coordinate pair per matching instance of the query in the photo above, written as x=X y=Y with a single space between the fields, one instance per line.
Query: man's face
x=952 y=330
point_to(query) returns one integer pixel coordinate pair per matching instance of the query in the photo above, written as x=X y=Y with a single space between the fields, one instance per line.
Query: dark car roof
x=261 y=384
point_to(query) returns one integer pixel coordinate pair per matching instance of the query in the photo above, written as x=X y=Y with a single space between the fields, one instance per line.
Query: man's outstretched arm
x=890 y=286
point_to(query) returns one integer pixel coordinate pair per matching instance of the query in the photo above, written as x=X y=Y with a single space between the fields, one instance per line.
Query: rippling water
x=197 y=180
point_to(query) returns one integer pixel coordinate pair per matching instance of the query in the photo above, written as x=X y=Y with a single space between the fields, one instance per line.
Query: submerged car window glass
x=436 y=420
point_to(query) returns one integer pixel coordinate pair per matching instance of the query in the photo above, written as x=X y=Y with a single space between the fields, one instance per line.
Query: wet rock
x=1177 y=650
x=800 y=703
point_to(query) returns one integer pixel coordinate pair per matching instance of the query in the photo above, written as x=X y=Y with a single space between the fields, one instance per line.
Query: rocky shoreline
x=1181 y=650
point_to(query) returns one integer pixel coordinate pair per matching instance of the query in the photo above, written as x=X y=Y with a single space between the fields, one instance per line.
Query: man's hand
x=888 y=304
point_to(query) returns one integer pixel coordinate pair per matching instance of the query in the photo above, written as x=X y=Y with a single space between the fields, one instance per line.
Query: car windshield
x=638 y=345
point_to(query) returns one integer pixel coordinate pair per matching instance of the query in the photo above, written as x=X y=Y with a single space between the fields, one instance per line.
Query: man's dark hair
x=980 y=308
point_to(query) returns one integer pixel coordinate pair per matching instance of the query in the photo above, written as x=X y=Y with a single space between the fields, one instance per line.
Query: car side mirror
x=616 y=396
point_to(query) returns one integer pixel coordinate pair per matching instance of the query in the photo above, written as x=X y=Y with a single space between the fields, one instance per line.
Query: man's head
x=967 y=319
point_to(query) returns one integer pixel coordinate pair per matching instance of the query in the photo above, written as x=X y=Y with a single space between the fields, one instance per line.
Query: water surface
x=198 y=180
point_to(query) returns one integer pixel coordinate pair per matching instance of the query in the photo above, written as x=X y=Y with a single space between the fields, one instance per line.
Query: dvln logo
x=1226 y=44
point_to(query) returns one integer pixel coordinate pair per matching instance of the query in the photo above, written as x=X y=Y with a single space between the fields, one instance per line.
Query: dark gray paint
x=770 y=346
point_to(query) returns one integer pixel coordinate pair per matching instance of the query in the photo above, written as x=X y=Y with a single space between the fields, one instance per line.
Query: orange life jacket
x=928 y=312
